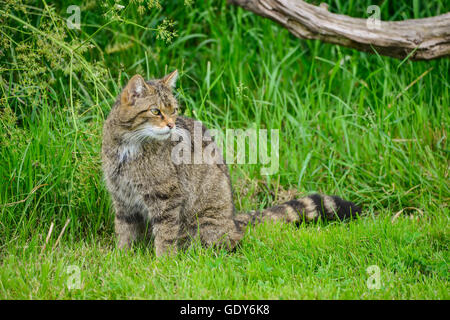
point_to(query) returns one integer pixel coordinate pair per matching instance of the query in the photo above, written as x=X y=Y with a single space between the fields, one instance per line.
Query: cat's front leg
x=164 y=214
x=126 y=233
x=129 y=225
x=166 y=229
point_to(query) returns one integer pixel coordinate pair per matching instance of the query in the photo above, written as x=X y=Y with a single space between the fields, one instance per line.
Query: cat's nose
x=171 y=125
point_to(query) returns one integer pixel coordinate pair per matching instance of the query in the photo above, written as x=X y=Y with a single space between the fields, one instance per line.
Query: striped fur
x=305 y=209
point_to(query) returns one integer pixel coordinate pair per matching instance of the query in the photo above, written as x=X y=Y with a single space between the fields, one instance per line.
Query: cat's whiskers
x=132 y=141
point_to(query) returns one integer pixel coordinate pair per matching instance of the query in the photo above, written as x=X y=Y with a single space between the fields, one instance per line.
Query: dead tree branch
x=422 y=39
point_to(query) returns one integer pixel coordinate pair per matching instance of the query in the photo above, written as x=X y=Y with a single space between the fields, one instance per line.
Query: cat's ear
x=171 y=79
x=136 y=88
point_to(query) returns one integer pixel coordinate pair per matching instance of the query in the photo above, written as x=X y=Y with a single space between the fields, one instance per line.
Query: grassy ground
x=274 y=262
x=350 y=124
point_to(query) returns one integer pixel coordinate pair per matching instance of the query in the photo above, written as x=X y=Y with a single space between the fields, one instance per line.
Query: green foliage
x=56 y=88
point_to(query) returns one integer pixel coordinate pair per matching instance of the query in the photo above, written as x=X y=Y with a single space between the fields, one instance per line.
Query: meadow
x=368 y=128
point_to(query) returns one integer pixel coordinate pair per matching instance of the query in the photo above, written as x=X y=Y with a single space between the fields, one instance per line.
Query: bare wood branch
x=421 y=39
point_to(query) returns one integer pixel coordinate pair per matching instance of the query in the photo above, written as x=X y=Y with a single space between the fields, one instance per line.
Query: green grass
x=274 y=262
x=347 y=127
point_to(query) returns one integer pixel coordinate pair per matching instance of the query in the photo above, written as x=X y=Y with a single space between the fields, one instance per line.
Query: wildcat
x=178 y=202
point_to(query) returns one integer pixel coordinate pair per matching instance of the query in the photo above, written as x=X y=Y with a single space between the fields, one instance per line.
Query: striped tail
x=308 y=208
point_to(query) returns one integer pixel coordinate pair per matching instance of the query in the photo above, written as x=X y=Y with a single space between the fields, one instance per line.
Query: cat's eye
x=155 y=111
x=175 y=110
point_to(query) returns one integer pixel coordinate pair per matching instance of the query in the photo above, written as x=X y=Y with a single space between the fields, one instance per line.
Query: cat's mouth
x=161 y=136
x=146 y=132
x=159 y=133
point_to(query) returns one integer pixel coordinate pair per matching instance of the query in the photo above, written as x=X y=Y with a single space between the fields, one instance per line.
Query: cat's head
x=148 y=109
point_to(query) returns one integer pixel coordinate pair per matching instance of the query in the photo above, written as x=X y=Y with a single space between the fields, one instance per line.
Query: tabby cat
x=178 y=202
